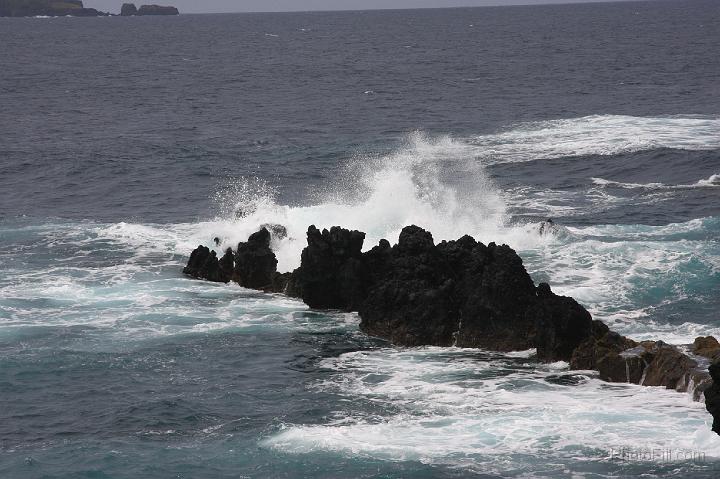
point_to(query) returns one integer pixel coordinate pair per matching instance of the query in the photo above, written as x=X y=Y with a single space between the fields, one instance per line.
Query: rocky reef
x=49 y=8
x=460 y=293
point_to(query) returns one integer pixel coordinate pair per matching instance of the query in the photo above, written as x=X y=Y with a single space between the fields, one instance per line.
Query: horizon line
x=518 y=3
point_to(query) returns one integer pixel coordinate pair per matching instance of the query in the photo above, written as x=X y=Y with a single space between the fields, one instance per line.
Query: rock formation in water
x=48 y=8
x=416 y=293
x=157 y=10
x=255 y=263
x=461 y=293
x=128 y=10
x=648 y=363
x=204 y=264
x=712 y=396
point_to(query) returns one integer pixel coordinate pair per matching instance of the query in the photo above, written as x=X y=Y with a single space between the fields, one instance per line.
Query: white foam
x=711 y=182
x=451 y=406
x=434 y=183
x=598 y=135
x=624 y=273
x=437 y=183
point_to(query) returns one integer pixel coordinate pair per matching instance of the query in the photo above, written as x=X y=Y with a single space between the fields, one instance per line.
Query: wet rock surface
x=204 y=264
x=255 y=263
x=712 y=396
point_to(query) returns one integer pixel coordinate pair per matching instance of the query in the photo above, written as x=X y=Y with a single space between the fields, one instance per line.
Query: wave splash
x=439 y=184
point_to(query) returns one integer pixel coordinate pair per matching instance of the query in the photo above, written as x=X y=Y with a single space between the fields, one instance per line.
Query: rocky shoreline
x=74 y=8
x=459 y=293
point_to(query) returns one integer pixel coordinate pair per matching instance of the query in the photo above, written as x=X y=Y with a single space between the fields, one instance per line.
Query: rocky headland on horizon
x=74 y=8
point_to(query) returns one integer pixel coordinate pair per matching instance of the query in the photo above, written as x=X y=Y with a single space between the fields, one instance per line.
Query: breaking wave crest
x=711 y=182
x=598 y=135
x=438 y=184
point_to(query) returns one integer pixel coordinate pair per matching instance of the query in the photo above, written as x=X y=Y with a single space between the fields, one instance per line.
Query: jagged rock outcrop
x=252 y=265
x=204 y=264
x=648 y=363
x=331 y=273
x=128 y=10
x=707 y=347
x=157 y=10
x=460 y=292
x=712 y=396
x=255 y=263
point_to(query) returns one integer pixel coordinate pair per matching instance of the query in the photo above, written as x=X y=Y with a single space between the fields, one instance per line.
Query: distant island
x=74 y=8
x=129 y=10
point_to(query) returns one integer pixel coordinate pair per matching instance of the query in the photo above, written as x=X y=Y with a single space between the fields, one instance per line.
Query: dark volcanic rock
x=157 y=10
x=204 y=264
x=602 y=352
x=708 y=347
x=415 y=293
x=411 y=301
x=562 y=324
x=712 y=396
x=128 y=10
x=667 y=366
x=649 y=363
x=467 y=294
x=276 y=231
x=255 y=263
x=331 y=274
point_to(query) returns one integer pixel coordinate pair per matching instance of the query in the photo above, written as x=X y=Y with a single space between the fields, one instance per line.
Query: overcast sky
x=211 y=6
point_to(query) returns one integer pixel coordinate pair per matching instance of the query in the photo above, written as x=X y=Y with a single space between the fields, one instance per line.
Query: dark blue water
x=125 y=142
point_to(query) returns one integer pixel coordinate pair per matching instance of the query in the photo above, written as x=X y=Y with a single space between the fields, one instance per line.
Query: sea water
x=127 y=142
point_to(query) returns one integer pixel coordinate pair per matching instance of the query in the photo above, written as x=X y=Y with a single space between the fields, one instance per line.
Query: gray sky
x=209 y=6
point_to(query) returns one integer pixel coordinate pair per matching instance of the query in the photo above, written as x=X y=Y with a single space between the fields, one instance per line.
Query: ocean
x=127 y=142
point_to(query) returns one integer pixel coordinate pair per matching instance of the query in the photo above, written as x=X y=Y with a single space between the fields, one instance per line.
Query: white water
x=711 y=182
x=598 y=135
x=453 y=407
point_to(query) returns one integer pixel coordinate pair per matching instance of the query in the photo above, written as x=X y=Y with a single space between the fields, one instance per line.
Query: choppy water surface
x=127 y=142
